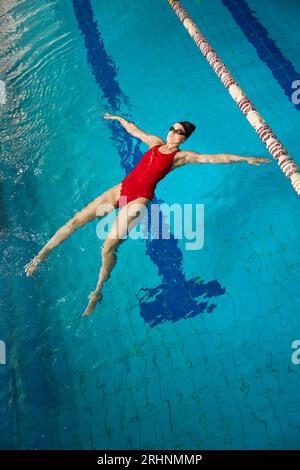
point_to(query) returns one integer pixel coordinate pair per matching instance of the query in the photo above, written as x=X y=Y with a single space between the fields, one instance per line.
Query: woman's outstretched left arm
x=194 y=157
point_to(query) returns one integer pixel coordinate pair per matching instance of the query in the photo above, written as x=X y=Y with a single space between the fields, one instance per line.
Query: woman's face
x=174 y=137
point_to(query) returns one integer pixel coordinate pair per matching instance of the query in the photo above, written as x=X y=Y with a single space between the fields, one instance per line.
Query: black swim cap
x=188 y=127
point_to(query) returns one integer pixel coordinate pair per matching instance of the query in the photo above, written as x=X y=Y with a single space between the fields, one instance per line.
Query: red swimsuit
x=142 y=180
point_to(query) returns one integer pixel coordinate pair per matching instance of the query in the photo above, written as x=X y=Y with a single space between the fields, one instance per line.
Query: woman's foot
x=94 y=298
x=31 y=267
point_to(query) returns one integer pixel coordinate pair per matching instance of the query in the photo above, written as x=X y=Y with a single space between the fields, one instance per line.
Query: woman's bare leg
x=87 y=214
x=126 y=219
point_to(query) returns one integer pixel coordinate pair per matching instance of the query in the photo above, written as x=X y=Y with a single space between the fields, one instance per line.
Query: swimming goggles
x=177 y=131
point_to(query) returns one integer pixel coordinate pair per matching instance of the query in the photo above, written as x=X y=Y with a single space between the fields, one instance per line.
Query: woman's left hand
x=256 y=160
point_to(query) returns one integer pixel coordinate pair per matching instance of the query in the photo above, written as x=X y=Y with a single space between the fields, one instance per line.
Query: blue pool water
x=188 y=348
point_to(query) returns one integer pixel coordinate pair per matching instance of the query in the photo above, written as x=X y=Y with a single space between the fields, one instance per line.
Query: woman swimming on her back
x=136 y=188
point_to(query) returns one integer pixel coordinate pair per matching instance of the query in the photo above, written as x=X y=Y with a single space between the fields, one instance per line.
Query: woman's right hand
x=110 y=116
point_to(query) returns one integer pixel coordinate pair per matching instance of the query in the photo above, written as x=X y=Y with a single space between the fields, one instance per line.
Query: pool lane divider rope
x=265 y=133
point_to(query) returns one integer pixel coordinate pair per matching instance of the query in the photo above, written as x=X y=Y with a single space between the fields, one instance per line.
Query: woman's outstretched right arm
x=126 y=124
x=135 y=131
